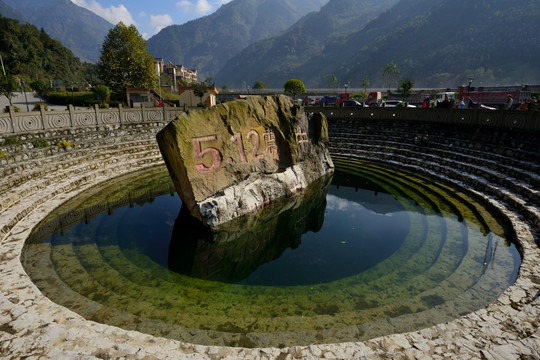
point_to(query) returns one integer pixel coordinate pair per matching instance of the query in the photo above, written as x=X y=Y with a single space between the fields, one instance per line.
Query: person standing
x=470 y=103
x=509 y=101
x=425 y=103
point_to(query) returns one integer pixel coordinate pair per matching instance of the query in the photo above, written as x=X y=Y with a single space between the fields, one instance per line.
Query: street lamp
x=72 y=97
x=24 y=91
x=469 y=88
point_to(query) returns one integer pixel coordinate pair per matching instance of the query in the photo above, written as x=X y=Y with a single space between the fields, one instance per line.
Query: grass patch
x=40 y=143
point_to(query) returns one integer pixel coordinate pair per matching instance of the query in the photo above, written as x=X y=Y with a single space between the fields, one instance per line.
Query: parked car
x=351 y=103
x=485 y=107
x=395 y=103
x=439 y=97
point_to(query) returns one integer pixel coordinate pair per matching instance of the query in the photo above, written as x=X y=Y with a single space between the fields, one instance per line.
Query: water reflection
x=232 y=252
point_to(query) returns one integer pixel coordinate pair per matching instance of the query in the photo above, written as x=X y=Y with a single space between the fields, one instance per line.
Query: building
x=143 y=97
x=189 y=96
x=176 y=73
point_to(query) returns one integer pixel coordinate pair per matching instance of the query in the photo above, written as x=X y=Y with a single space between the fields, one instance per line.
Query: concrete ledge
x=32 y=326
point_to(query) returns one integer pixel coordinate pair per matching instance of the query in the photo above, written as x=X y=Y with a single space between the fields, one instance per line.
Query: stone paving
x=33 y=327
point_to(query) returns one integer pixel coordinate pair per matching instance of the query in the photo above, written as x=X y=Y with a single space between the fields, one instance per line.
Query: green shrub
x=11 y=140
x=37 y=106
x=85 y=98
x=101 y=92
x=41 y=143
x=15 y=109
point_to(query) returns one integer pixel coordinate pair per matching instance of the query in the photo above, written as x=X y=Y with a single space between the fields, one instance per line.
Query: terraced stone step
x=506 y=164
x=35 y=185
x=514 y=145
x=17 y=174
x=514 y=200
x=66 y=157
x=16 y=212
x=434 y=162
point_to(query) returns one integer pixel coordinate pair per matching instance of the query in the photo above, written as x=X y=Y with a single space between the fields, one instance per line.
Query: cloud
x=335 y=203
x=200 y=7
x=113 y=14
x=160 y=21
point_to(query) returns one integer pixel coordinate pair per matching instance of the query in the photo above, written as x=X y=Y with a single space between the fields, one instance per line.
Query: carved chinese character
x=270 y=140
x=302 y=139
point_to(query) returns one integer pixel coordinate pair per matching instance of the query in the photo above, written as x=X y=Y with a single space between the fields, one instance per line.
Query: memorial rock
x=240 y=156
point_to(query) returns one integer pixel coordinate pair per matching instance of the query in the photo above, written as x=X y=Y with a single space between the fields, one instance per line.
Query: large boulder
x=240 y=156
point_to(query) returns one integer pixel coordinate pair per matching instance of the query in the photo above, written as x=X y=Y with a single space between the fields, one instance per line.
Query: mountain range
x=285 y=56
x=433 y=42
x=205 y=44
x=77 y=28
x=9 y=12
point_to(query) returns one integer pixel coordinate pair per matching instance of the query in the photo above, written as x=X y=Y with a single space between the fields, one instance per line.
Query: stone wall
x=499 y=164
x=24 y=122
x=504 y=119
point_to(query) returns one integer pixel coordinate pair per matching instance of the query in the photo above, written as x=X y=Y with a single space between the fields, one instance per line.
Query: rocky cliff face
x=240 y=156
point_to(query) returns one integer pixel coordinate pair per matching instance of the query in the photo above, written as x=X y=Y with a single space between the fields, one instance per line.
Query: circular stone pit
x=489 y=163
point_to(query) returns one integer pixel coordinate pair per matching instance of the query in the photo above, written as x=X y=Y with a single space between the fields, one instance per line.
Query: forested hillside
x=207 y=43
x=495 y=41
x=76 y=28
x=433 y=42
x=318 y=34
x=31 y=53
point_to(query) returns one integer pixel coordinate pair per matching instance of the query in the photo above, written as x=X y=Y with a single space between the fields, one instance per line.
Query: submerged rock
x=237 y=157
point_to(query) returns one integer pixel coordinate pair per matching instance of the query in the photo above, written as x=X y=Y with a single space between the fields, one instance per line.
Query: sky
x=150 y=16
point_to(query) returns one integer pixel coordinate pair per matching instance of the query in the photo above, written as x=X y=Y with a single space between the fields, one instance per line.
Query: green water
x=369 y=252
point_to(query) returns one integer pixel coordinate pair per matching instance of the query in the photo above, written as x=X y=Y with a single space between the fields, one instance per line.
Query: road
x=20 y=101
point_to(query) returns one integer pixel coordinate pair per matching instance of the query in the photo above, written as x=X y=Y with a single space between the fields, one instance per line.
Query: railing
x=509 y=119
x=24 y=122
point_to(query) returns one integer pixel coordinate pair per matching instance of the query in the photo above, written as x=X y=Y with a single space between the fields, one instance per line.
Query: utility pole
x=3 y=68
x=23 y=82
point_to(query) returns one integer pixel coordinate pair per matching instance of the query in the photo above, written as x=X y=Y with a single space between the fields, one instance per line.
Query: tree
x=125 y=62
x=8 y=87
x=41 y=87
x=165 y=79
x=390 y=72
x=294 y=87
x=101 y=93
x=333 y=82
x=259 y=85
x=405 y=88
x=199 y=90
x=365 y=84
